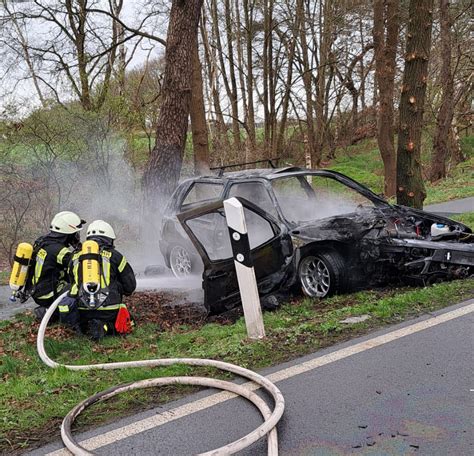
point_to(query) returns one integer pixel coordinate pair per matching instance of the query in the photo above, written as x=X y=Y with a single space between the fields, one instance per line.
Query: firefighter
x=51 y=255
x=109 y=315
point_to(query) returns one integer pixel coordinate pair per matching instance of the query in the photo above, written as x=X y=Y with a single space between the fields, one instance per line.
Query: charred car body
x=317 y=230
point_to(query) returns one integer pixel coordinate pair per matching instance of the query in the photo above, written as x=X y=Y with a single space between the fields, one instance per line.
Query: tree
x=20 y=46
x=80 y=49
x=446 y=111
x=307 y=80
x=410 y=187
x=325 y=40
x=385 y=33
x=198 y=118
x=163 y=168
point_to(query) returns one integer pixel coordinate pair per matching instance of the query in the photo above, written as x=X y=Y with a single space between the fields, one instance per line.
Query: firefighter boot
x=40 y=312
x=97 y=329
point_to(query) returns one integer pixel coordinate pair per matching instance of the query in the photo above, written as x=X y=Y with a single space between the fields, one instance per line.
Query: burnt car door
x=270 y=244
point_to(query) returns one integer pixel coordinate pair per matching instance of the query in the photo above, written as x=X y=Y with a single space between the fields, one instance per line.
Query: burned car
x=319 y=231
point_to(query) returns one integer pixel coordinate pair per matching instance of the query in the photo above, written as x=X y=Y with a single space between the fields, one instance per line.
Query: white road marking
x=207 y=402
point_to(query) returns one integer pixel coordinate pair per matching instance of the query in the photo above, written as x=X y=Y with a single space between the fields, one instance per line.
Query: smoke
x=316 y=198
x=168 y=282
x=102 y=185
x=92 y=171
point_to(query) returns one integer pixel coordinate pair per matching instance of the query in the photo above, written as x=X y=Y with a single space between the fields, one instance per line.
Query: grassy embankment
x=34 y=398
x=362 y=162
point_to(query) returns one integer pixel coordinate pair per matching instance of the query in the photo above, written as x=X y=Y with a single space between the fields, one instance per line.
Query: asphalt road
x=452 y=207
x=408 y=394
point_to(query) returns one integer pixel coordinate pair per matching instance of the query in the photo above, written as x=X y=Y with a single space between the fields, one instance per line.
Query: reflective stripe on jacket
x=49 y=274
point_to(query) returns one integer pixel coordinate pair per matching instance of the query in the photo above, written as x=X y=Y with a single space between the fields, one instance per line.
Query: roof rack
x=267 y=160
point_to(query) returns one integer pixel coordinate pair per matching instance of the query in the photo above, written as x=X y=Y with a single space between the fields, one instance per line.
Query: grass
x=34 y=398
x=459 y=184
x=4 y=277
x=467 y=218
x=362 y=162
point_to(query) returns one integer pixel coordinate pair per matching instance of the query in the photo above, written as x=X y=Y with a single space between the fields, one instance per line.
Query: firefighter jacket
x=117 y=276
x=48 y=276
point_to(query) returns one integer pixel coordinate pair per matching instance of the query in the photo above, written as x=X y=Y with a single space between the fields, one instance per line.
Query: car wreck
x=316 y=231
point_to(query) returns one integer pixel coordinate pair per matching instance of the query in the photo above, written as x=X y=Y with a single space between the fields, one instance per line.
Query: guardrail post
x=234 y=212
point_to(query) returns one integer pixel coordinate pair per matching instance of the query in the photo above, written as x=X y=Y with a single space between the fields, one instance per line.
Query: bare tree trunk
x=240 y=62
x=198 y=119
x=362 y=72
x=444 y=120
x=229 y=89
x=385 y=32
x=119 y=34
x=249 y=28
x=211 y=63
x=268 y=77
x=348 y=83
x=325 y=41
x=233 y=81
x=288 y=84
x=164 y=164
x=77 y=17
x=456 y=153
x=307 y=82
x=410 y=187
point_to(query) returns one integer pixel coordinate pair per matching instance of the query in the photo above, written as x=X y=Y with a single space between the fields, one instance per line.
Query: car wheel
x=181 y=261
x=322 y=275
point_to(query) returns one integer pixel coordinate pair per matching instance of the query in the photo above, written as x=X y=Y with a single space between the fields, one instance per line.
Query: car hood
x=392 y=221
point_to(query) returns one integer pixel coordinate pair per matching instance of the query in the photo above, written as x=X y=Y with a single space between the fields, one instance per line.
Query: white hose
x=267 y=427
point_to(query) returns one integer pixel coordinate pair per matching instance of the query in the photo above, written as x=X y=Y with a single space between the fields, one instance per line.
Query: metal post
x=234 y=212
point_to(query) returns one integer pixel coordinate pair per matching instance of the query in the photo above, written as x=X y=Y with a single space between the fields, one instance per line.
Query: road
x=452 y=207
x=402 y=390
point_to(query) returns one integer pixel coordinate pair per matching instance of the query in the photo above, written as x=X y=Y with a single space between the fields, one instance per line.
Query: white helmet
x=66 y=222
x=100 y=228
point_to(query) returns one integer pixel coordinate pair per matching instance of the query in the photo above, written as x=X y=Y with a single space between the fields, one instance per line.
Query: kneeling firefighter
x=47 y=275
x=100 y=277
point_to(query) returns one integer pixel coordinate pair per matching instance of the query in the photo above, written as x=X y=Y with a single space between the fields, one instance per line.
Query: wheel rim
x=315 y=277
x=180 y=261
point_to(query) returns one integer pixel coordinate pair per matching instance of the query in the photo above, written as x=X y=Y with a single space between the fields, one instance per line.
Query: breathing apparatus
x=19 y=274
x=90 y=260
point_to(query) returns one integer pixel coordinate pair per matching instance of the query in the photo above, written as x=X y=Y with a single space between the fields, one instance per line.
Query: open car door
x=270 y=244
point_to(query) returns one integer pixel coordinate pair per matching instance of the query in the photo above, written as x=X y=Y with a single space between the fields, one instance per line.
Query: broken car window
x=307 y=197
x=201 y=192
x=212 y=232
x=256 y=193
x=260 y=230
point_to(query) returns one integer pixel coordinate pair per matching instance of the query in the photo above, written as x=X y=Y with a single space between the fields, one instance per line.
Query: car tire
x=322 y=274
x=183 y=262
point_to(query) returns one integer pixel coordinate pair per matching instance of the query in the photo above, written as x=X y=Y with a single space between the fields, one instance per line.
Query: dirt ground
x=158 y=308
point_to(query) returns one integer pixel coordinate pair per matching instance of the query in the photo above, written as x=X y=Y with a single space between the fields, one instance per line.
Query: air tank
x=21 y=262
x=90 y=269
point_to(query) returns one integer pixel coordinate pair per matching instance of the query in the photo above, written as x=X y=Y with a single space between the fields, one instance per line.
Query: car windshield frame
x=377 y=201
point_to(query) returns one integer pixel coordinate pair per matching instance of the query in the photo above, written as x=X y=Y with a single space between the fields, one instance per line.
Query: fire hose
x=268 y=426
